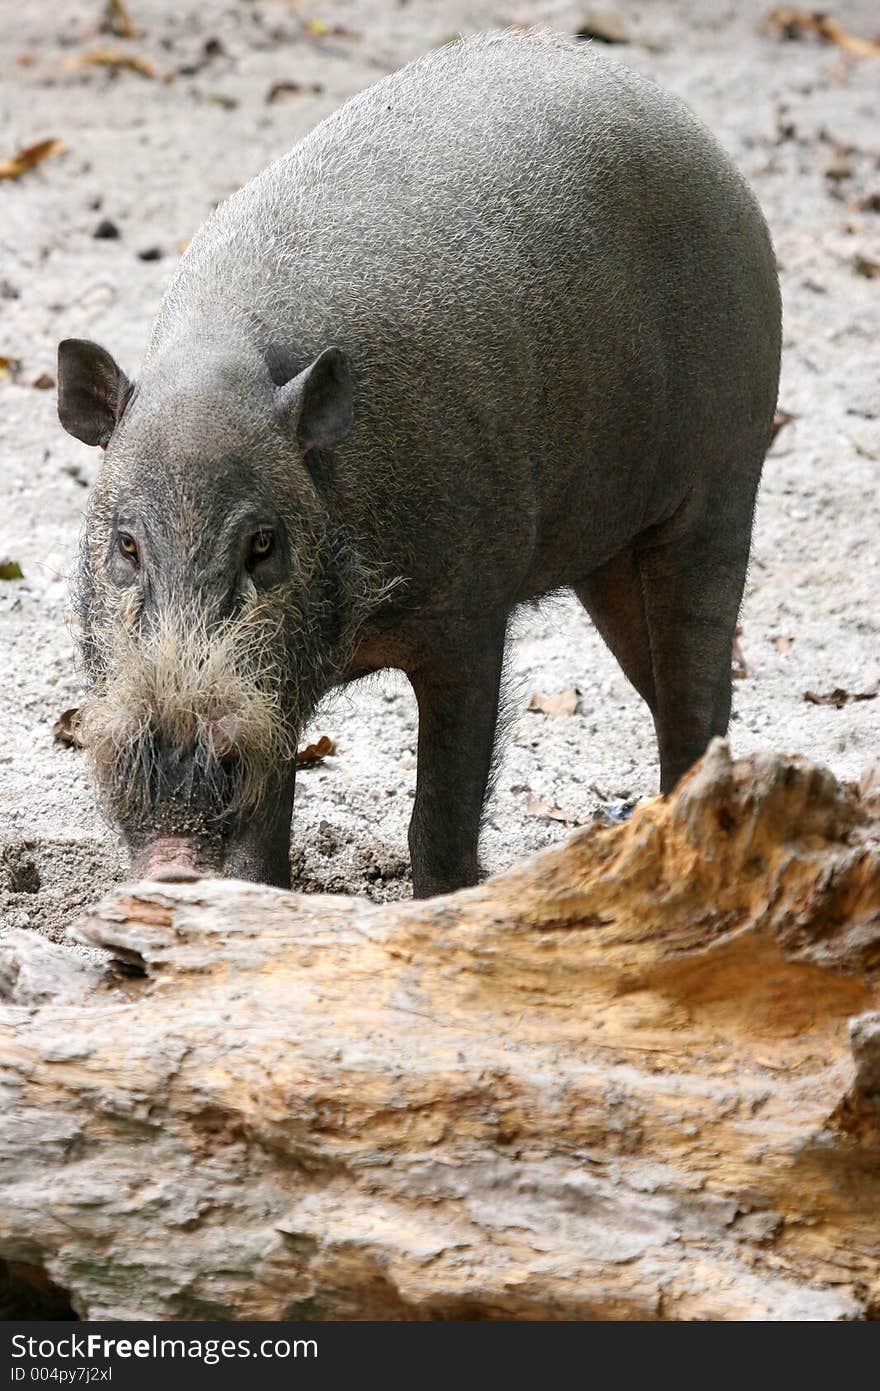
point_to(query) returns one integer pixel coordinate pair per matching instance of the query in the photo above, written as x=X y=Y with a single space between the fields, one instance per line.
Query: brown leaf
x=291 y=89
x=118 y=21
x=67 y=728
x=10 y=570
x=111 y=58
x=10 y=367
x=564 y=703
x=794 y=24
x=536 y=806
x=834 y=32
x=839 y=697
x=315 y=753
x=607 y=28
x=780 y=420
x=29 y=158
x=863 y=265
x=43 y=382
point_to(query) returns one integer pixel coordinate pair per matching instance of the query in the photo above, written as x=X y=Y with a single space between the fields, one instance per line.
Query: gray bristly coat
x=507 y=321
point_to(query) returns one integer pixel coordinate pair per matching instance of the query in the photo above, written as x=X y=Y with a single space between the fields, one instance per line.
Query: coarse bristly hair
x=560 y=305
x=187 y=717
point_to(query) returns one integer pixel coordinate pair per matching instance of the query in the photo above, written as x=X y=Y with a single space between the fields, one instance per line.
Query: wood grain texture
x=621 y=1081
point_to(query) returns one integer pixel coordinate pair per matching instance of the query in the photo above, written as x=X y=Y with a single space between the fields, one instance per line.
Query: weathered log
x=619 y=1081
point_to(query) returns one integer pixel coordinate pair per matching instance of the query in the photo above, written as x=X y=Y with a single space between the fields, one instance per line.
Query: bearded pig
x=507 y=321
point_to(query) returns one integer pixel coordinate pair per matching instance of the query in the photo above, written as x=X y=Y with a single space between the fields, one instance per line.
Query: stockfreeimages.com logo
x=95 y=1346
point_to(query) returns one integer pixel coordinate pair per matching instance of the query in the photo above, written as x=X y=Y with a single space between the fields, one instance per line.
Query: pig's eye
x=129 y=547
x=261 y=546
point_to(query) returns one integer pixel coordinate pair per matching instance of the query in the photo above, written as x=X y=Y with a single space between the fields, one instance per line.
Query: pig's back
x=502 y=153
x=515 y=235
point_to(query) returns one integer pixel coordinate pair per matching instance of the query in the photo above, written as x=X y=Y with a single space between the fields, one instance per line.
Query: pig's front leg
x=457 y=689
x=261 y=852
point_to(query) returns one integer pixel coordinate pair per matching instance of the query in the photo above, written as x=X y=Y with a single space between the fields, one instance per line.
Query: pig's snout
x=170 y=859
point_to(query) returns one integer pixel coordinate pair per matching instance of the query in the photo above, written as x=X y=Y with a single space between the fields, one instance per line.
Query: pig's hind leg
x=668 y=613
x=693 y=588
x=614 y=599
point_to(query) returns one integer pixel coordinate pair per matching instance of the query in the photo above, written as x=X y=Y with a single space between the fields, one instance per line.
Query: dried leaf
x=794 y=24
x=10 y=570
x=607 y=28
x=111 y=58
x=292 y=89
x=118 y=21
x=849 y=42
x=865 y=266
x=565 y=703
x=536 y=806
x=29 y=158
x=67 y=729
x=315 y=753
x=839 y=697
x=43 y=382
x=780 y=420
x=10 y=367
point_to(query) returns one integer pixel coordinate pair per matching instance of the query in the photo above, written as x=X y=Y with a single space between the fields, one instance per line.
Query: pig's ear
x=92 y=391
x=317 y=404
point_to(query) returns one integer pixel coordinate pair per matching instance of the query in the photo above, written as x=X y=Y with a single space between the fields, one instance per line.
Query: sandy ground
x=154 y=155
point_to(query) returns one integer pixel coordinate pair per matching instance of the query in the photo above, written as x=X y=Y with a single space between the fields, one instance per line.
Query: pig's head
x=215 y=596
